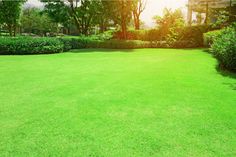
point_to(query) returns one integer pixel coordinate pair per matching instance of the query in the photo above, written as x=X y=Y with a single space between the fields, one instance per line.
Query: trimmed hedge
x=77 y=43
x=144 y=35
x=224 y=48
x=28 y=45
x=42 y=45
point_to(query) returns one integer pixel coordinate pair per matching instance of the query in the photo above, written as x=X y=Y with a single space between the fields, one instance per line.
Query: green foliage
x=193 y=34
x=84 y=13
x=10 y=12
x=170 y=24
x=144 y=35
x=75 y=42
x=78 y=43
x=36 y=22
x=224 y=47
x=222 y=18
x=210 y=36
x=58 y=12
x=120 y=11
x=23 y=45
x=119 y=44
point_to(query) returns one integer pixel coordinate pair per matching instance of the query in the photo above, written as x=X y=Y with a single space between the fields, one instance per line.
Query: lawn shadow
x=98 y=50
x=227 y=73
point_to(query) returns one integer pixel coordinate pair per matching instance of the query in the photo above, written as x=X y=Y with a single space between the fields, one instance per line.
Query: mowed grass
x=145 y=102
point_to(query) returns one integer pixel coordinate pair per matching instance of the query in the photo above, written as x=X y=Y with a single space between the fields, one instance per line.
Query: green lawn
x=145 y=102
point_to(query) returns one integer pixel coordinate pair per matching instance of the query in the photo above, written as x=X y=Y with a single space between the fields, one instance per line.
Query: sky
x=153 y=7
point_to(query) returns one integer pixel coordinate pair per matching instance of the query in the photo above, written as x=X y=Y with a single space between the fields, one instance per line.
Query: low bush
x=28 y=45
x=193 y=34
x=119 y=44
x=76 y=42
x=79 y=43
x=144 y=35
x=132 y=44
x=210 y=36
x=224 y=48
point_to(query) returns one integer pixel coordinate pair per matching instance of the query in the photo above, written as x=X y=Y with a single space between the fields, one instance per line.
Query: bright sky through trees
x=154 y=7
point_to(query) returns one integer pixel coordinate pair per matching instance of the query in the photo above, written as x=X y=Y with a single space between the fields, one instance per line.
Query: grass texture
x=105 y=103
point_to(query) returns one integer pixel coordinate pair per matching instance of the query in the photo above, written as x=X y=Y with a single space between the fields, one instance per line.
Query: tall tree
x=59 y=13
x=138 y=8
x=10 y=12
x=37 y=22
x=120 y=11
x=171 y=23
x=82 y=12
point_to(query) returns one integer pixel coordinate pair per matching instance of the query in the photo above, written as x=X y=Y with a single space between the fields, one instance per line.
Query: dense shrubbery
x=144 y=35
x=122 y=44
x=193 y=34
x=29 y=45
x=189 y=35
x=146 y=39
x=117 y=44
x=210 y=36
x=224 y=47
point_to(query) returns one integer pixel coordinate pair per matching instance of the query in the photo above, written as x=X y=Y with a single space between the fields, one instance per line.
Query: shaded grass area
x=151 y=102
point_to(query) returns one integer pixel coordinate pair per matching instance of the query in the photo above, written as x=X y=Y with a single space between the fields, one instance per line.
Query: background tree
x=59 y=13
x=83 y=12
x=36 y=22
x=120 y=11
x=171 y=23
x=10 y=12
x=222 y=18
x=138 y=8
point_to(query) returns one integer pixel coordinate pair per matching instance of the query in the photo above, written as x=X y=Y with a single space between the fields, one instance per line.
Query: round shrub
x=224 y=48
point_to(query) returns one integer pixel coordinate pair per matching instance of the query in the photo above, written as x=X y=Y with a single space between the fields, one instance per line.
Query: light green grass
x=146 y=102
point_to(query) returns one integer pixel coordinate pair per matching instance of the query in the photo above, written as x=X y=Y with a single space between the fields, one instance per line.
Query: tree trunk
x=74 y=16
x=101 y=26
x=10 y=30
x=136 y=20
x=124 y=29
x=137 y=23
x=14 y=31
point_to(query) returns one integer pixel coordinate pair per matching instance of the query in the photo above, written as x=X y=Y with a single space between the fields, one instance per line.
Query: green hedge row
x=28 y=45
x=189 y=33
x=223 y=47
x=75 y=43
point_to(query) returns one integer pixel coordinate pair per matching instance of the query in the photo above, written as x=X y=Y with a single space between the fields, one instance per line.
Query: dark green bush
x=144 y=35
x=118 y=44
x=210 y=36
x=193 y=34
x=76 y=42
x=224 y=48
x=79 y=43
x=67 y=43
x=28 y=45
x=184 y=44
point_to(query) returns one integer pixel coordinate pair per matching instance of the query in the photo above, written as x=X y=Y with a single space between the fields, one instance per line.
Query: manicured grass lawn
x=146 y=102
